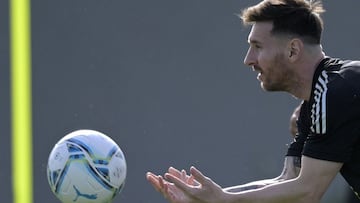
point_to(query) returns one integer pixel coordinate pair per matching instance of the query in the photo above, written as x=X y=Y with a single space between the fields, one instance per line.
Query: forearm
x=289 y=191
x=308 y=187
x=252 y=185
x=291 y=170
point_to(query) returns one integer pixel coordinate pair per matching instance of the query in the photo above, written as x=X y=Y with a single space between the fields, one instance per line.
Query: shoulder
x=344 y=80
x=350 y=74
x=339 y=77
x=336 y=94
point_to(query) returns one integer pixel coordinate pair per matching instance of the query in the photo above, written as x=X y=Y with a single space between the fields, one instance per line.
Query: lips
x=257 y=69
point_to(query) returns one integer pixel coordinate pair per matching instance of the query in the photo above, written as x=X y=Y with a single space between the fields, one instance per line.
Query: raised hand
x=189 y=179
x=182 y=188
x=167 y=189
x=206 y=191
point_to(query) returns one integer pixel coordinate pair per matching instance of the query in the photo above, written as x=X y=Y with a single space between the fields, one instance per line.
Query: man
x=350 y=196
x=286 y=52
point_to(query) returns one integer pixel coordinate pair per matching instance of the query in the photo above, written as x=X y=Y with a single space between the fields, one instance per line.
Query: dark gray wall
x=5 y=174
x=165 y=80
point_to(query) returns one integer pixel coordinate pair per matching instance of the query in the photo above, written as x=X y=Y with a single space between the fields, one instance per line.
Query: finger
x=178 y=183
x=154 y=180
x=184 y=175
x=167 y=193
x=192 y=181
x=161 y=183
x=174 y=172
x=158 y=182
x=150 y=176
x=189 y=179
x=198 y=176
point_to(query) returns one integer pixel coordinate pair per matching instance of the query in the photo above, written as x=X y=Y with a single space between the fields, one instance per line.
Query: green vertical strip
x=20 y=45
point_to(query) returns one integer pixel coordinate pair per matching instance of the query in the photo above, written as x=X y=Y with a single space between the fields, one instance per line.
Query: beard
x=278 y=76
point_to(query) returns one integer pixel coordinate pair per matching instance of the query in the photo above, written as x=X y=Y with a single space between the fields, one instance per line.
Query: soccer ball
x=86 y=166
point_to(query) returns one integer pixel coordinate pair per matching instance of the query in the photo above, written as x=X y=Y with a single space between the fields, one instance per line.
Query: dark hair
x=297 y=17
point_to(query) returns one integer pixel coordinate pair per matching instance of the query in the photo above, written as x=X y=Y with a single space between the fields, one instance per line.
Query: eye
x=257 y=46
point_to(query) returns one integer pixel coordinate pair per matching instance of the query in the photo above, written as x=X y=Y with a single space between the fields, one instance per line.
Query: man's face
x=267 y=55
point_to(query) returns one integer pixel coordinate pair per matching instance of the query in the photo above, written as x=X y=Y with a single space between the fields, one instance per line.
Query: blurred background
x=165 y=79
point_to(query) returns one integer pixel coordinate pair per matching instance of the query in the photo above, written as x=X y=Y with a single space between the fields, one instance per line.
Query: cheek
x=271 y=60
x=265 y=60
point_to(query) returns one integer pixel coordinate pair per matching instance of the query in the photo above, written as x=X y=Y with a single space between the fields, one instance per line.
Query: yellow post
x=21 y=102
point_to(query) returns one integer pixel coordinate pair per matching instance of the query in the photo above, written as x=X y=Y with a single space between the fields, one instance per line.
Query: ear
x=295 y=47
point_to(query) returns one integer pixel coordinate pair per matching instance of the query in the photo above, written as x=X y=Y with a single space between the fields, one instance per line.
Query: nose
x=249 y=59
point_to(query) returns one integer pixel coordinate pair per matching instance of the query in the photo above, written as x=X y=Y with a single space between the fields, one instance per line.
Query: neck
x=305 y=72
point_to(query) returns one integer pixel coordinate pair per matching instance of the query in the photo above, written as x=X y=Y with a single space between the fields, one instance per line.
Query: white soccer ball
x=86 y=166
